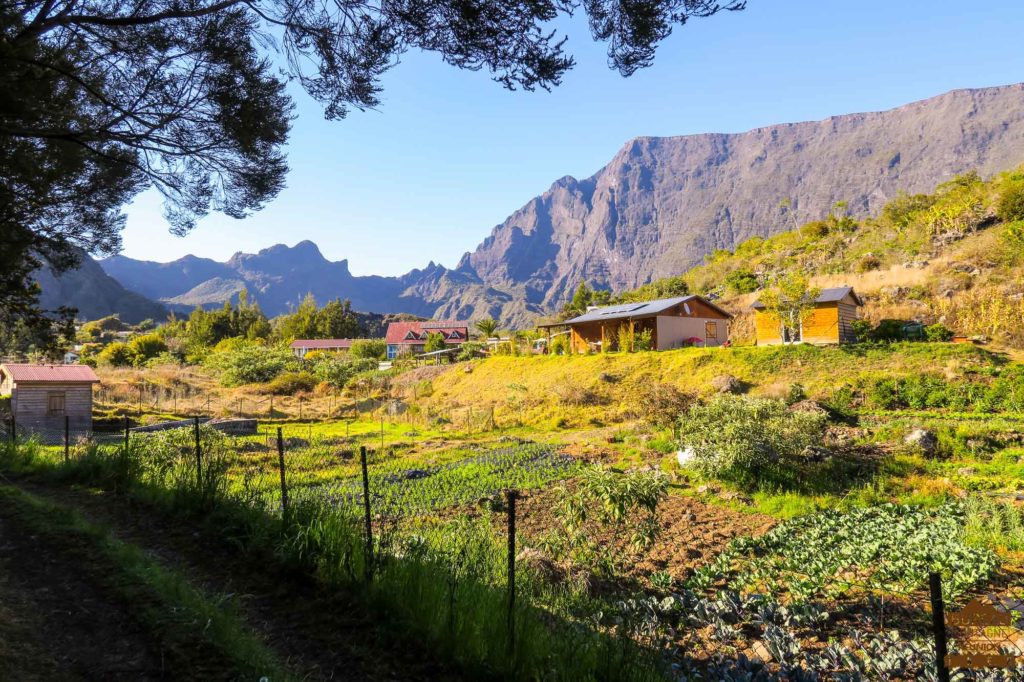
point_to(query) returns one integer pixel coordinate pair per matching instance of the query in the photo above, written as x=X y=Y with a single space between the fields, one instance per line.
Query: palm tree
x=487 y=327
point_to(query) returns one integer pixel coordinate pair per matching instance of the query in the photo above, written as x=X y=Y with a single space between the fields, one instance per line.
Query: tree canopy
x=100 y=99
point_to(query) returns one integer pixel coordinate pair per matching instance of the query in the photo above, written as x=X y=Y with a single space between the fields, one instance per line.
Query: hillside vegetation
x=954 y=256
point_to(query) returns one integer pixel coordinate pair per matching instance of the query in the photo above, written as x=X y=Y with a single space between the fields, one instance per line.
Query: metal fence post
x=938 y=626
x=67 y=439
x=126 y=426
x=199 y=455
x=366 y=509
x=511 y=494
x=284 y=481
x=14 y=432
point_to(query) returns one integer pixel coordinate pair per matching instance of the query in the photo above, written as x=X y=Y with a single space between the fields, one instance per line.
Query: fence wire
x=801 y=617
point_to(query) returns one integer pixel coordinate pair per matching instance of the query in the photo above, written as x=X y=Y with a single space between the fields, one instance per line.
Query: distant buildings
x=671 y=323
x=831 y=320
x=410 y=338
x=302 y=346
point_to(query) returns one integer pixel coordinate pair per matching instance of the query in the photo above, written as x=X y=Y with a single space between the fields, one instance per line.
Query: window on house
x=711 y=330
x=55 y=403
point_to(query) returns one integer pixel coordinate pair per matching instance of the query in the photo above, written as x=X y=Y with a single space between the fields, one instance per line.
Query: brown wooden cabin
x=831 y=321
x=673 y=322
x=43 y=395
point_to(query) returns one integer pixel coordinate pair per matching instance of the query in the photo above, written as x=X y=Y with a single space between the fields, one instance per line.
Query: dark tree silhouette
x=100 y=99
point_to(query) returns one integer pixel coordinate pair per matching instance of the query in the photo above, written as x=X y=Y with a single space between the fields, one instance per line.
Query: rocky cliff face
x=663 y=203
x=657 y=208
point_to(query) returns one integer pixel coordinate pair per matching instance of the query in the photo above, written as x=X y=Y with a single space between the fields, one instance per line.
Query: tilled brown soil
x=319 y=635
x=693 y=532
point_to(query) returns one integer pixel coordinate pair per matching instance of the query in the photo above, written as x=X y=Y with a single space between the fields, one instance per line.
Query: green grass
x=443 y=586
x=164 y=601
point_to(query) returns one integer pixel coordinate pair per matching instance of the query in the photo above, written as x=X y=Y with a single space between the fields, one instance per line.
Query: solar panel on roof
x=622 y=309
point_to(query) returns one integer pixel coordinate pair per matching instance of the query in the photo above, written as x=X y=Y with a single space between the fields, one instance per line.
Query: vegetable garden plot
x=397 y=490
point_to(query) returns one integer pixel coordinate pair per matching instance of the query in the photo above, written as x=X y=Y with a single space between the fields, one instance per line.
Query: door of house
x=711 y=333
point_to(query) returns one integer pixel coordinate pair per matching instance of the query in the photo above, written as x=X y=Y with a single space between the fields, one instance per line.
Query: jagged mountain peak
x=659 y=206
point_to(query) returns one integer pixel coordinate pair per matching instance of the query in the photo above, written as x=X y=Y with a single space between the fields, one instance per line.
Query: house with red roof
x=410 y=338
x=302 y=346
x=46 y=398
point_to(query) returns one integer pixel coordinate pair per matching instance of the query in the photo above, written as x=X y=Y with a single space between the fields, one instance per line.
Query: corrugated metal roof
x=415 y=333
x=322 y=343
x=830 y=295
x=50 y=373
x=625 y=311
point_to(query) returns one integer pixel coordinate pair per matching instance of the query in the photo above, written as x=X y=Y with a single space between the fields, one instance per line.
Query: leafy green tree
x=301 y=323
x=99 y=101
x=117 y=354
x=1010 y=206
x=435 y=342
x=791 y=302
x=741 y=281
x=371 y=349
x=487 y=327
x=147 y=347
x=336 y=320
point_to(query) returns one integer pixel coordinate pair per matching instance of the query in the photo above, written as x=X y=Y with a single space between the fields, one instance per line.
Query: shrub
x=888 y=330
x=868 y=263
x=369 y=349
x=559 y=345
x=624 y=339
x=252 y=364
x=863 y=330
x=117 y=354
x=290 y=383
x=338 y=370
x=643 y=341
x=741 y=282
x=470 y=350
x=737 y=438
x=146 y=347
x=659 y=404
x=608 y=514
x=1010 y=206
x=435 y=342
x=938 y=333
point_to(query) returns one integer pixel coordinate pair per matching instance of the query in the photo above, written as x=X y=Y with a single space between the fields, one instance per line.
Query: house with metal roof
x=830 y=321
x=410 y=338
x=302 y=346
x=47 y=398
x=671 y=322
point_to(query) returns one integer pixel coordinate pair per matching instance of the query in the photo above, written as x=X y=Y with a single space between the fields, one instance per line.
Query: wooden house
x=302 y=346
x=43 y=395
x=672 y=323
x=831 y=320
x=410 y=338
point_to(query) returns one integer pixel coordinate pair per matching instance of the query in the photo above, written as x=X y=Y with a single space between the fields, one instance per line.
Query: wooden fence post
x=938 y=626
x=366 y=509
x=14 y=432
x=511 y=495
x=284 y=478
x=126 y=425
x=199 y=456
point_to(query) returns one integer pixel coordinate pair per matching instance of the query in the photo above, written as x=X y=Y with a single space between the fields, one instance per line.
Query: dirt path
x=320 y=635
x=57 y=623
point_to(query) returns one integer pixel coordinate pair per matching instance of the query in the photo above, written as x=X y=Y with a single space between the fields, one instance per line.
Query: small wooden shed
x=672 y=322
x=831 y=321
x=43 y=395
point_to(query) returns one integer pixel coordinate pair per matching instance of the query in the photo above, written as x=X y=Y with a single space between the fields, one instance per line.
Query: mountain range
x=657 y=208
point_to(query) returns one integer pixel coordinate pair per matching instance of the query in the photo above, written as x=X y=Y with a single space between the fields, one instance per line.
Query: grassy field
x=813 y=566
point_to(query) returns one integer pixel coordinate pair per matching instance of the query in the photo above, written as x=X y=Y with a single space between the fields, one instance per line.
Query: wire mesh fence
x=785 y=607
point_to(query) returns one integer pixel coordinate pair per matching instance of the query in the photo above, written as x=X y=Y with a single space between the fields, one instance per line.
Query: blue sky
x=449 y=154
